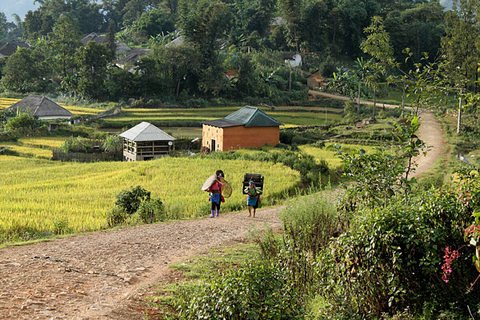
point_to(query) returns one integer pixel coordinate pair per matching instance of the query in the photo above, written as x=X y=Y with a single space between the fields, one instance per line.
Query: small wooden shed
x=146 y=142
x=248 y=127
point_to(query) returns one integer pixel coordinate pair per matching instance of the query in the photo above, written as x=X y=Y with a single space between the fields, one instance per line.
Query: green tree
x=205 y=25
x=461 y=51
x=27 y=70
x=92 y=60
x=64 y=40
x=377 y=45
x=419 y=28
x=291 y=11
x=252 y=19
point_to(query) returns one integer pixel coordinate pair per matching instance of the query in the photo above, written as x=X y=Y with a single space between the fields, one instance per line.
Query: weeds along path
x=430 y=132
x=95 y=276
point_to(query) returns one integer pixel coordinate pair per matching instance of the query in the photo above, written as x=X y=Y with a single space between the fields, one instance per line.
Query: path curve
x=94 y=276
x=430 y=132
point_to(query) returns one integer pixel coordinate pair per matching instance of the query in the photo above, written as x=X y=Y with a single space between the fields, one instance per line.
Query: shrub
x=116 y=216
x=151 y=211
x=61 y=227
x=391 y=258
x=113 y=143
x=130 y=200
x=23 y=123
x=256 y=291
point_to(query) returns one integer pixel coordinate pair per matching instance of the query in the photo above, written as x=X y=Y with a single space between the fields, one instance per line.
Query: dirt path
x=95 y=276
x=430 y=132
x=100 y=275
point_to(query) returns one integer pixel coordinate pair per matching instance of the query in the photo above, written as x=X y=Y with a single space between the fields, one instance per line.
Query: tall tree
x=205 y=25
x=64 y=41
x=461 y=51
x=92 y=60
x=26 y=71
x=377 y=45
x=291 y=11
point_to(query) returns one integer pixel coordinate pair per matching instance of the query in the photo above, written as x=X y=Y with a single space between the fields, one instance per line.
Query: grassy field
x=289 y=116
x=36 y=194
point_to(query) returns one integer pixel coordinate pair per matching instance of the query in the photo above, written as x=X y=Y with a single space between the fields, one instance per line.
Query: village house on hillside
x=121 y=48
x=9 y=48
x=248 y=127
x=41 y=107
x=146 y=142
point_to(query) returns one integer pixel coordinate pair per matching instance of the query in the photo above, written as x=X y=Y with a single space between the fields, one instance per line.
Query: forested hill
x=204 y=48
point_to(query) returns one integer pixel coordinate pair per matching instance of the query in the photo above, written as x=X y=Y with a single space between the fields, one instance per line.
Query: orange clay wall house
x=248 y=127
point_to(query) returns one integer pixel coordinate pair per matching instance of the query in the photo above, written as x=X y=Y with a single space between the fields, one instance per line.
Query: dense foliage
x=234 y=49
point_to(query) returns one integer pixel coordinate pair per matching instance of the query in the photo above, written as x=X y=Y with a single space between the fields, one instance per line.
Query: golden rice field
x=329 y=154
x=37 y=194
x=37 y=147
x=294 y=116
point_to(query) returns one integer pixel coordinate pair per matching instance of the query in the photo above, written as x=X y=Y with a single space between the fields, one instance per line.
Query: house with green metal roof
x=249 y=127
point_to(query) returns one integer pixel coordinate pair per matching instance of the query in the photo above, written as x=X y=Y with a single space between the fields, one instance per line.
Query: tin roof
x=247 y=116
x=145 y=131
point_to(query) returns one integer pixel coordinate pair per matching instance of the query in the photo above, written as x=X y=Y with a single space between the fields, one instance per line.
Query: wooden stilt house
x=146 y=142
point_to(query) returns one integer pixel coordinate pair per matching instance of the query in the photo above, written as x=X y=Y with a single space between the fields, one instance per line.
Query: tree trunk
x=177 y=93
x=403 y=100
x=290 y=80
x=459 y=114
x=358 y=96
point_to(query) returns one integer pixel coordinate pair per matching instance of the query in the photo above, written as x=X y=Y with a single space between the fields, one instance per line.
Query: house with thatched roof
x=248 y=127
x=41 y=107
x=146 y=142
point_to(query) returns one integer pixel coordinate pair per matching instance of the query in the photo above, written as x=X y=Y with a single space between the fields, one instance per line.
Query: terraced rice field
x=289 y=116
x=37 y=195
x=328 y=153
x=37 y=147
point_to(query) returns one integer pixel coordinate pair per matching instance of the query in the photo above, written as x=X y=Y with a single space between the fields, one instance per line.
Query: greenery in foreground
x=392 y=261
x=390 y=249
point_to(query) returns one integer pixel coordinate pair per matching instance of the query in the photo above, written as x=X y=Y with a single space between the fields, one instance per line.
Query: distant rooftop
x=247 y=116
x=41 y=107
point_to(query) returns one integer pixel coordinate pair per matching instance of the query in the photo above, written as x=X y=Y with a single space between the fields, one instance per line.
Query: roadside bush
x=61 y=227
x=116 y=216
x=258 y=290
x=151 y=211
x=130 y=200
x=390 y=260
x=309 y=225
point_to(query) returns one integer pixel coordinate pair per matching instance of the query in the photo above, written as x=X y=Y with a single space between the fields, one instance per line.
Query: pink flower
x=448 y=258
